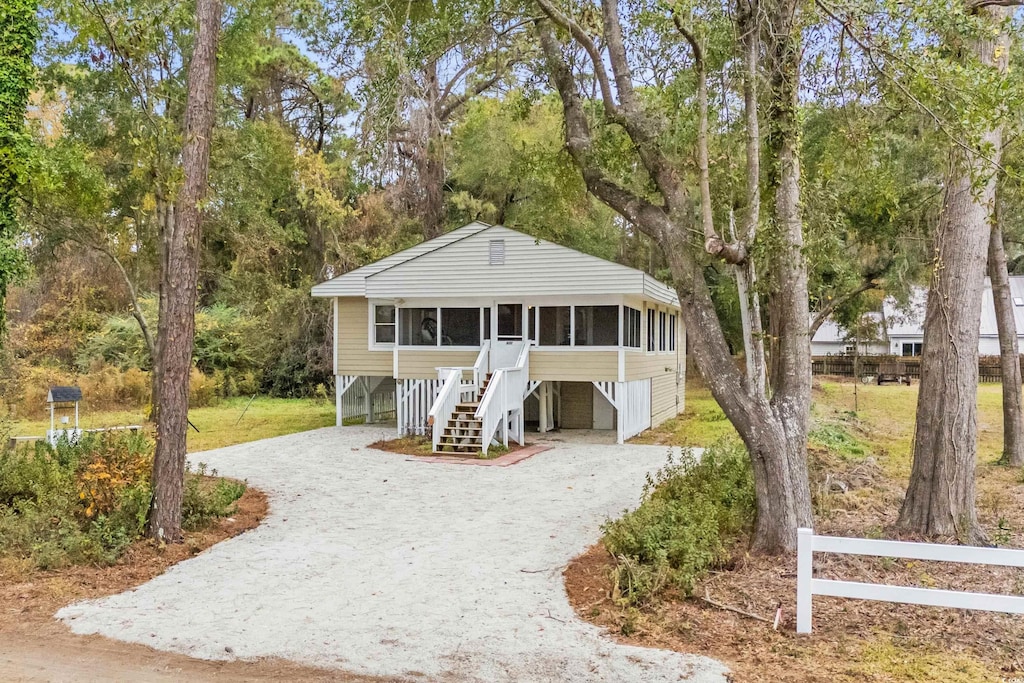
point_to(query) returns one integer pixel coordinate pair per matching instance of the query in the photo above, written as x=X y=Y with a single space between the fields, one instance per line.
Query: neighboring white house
x=482 y=331
x=902 y=327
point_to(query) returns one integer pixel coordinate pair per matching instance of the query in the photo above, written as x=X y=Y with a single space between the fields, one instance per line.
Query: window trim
x=662 y=332
x=375 y=345
x=651 y=343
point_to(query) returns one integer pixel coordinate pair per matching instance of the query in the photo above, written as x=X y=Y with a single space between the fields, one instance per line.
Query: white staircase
x=466 y=417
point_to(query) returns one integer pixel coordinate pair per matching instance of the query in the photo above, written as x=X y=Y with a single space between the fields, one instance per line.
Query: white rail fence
x=807 y=586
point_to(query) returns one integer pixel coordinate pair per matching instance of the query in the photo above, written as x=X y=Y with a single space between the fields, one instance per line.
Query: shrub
x=86 y=502
x=202 y=390
x=207 y=498
x=689 y=512
x=74 y=503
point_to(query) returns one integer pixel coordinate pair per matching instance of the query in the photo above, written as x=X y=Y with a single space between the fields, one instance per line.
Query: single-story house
x=474 y=335
x=901 y=327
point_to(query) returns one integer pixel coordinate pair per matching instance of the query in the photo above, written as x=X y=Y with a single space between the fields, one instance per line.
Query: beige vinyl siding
x=667 y=395
x=354 y=356
x=574 y=366
x=352 y=283
x=663 y=399
x=423 y=364
x=531 y=267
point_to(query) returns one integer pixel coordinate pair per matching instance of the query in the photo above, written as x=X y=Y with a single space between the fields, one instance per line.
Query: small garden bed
x=423 y=446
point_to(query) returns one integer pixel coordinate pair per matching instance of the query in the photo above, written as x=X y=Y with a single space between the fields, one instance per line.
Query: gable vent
x=496 y=254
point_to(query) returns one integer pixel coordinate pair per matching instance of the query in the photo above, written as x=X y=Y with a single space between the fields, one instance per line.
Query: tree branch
x=736 y=252
x=828 y=310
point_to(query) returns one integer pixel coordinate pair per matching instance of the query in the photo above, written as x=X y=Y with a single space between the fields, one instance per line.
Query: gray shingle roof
x=64 y=395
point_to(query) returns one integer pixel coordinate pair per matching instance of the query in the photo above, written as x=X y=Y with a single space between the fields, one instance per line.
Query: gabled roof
x=64 y=395
x=353 y=283
x=484 y=261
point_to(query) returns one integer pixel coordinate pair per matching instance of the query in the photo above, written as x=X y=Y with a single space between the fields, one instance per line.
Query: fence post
x=804 y=555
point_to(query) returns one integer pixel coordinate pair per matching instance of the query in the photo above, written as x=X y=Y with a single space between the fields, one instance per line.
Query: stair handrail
x=480 y=364
x=444 y=405
x=508 y=385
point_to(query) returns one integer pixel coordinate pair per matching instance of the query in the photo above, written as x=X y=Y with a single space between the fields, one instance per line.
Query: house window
x=650 y=329
x=487 y=323
x=912 y=348
x=418 y=326
x=672 y=332
x=597 y=326
x=554 y=326
x=383 y=324
x=531 y=322
x=460 y=327
x=631 y=328
x=662 y=338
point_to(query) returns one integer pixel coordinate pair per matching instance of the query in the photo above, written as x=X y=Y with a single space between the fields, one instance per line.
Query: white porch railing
x=414 y=398
x=502 y=403
x=444 y=404
x=807 y=586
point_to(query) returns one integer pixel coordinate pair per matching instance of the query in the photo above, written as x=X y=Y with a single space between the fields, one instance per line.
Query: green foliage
x=205 y=499
x=837 y=440
x=19 y=30
x=84 y=503
x=689 y=514
x=74 y=503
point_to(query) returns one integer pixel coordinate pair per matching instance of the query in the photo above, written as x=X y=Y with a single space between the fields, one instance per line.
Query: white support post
x=804 y=570
x=367 y=404
x=622 y=405
x=542 y=402
x=399 y=400
x=337 y=400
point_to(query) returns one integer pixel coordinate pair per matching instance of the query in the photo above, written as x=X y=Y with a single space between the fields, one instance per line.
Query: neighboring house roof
x=483 y=261
x=64 y=395
x=907 y=321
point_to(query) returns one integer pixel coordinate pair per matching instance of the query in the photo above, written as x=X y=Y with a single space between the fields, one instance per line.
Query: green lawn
x=883 y=419
x=266 y=417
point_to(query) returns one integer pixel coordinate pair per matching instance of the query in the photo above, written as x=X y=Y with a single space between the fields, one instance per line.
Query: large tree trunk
x=430 y=166
x=940 y=497
x=774 y=430
x=788 y=302
x=179 y=277
x=1009 y=354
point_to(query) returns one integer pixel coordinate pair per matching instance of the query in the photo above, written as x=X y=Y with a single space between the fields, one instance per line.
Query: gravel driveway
x=377 y=565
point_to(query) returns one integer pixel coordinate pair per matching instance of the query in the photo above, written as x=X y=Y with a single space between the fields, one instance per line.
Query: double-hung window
x=383 y=324
x=650 y=330
x=672 y=332
x=662 y=337
x=631 y=328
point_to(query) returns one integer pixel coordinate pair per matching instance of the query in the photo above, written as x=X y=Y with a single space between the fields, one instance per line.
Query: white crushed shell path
x=378 y=565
